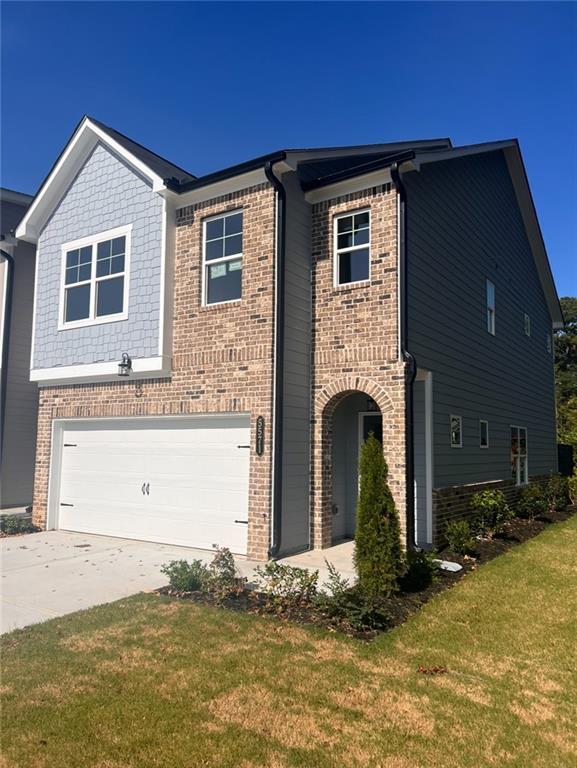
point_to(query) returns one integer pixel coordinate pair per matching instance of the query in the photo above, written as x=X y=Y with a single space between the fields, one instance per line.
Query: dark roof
x=156 y=163
x=13 y=206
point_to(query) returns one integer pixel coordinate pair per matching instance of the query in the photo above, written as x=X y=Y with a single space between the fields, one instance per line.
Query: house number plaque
x=260 y=436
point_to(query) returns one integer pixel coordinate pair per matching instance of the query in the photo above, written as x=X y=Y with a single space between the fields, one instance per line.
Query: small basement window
x=95 y=279
x=519 y=455
x=222 y=258
x=483 y=434
x=352 y=248
x=456 y=431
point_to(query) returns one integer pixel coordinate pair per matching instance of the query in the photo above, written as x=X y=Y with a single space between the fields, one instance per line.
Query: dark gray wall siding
x=296 y=389
x=464 y=226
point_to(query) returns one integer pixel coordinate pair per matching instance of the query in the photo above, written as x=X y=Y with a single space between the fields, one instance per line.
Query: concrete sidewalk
x=49 y=574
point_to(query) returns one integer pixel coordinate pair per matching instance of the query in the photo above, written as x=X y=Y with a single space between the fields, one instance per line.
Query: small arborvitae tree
x=378 y=552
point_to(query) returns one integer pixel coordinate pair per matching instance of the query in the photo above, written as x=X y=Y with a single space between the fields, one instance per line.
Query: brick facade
x=355 y=347
x=222 y=355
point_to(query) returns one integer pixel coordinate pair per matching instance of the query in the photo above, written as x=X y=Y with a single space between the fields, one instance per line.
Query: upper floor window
x=456 y=431
x=527 y=325
x=352 y=237
x=490 y=307
x=95 y=279
x=519 y=455
x=222 y=258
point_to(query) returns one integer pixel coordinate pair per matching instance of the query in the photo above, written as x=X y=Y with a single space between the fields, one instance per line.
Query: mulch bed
x=403 y=604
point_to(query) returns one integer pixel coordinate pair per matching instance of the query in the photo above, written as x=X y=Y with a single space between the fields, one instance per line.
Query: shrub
x=378 y=555
x=460 y=537
x=422 y=570
x=187 y=577
x=285 y=589
x=12 y=524
x=556 y=493
x=348 y=606
x=224 y=579
x=572 y=486
x=532 y=502
x=491 y=512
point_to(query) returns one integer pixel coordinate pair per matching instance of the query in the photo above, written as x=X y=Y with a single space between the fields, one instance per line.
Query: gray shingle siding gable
x=105 y=194
x=464 y=226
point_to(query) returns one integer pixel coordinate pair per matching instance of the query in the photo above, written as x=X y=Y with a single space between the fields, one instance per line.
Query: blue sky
x=210 y=84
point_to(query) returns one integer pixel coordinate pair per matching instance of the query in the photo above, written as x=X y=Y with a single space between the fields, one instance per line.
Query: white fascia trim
x=142 y=367
x=78 y=149
x=220 y=188
x=349 y=186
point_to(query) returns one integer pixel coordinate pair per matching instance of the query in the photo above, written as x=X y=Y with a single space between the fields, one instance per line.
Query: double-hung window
x=519 y=455
x=352 y=238
x=95 y=279
x=490 y=291
x=222 y=258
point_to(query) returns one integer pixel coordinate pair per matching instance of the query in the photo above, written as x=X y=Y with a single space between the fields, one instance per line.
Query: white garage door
x=175 y=481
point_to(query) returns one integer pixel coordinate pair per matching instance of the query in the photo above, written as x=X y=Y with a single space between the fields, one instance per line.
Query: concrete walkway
x=49 y=574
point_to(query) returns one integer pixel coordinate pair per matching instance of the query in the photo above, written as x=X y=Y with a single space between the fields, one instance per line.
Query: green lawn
x=150 y=681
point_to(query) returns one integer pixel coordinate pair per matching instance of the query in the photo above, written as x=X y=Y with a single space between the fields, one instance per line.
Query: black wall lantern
x=125 y=365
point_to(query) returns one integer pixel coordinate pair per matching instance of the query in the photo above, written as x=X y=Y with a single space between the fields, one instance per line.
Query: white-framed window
x=222 y=258
x=490 y=291
x=549 y=343
x=456 y=426
x=352 y=248
x=94 y=283
x=519 y=455
x=483 y=433
x=527 y=325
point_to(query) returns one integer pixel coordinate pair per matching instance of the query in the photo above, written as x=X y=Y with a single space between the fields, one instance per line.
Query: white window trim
x=337 y=251
x=518 y=481
x=451 y=417
x=527 y=325
x=93 y=240
x=222 y=260
x=483 y=421
x=488 y=307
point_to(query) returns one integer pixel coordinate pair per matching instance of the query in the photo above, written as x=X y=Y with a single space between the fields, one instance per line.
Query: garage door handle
x=143 y=489
x=244 y=522
x=62 y=504
x=147 y=489
x=243 y=446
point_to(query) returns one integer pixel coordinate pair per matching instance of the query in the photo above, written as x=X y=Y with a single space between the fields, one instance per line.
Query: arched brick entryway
x=325 y=404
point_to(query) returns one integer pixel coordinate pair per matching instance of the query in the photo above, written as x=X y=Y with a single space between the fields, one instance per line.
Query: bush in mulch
x=14 y=525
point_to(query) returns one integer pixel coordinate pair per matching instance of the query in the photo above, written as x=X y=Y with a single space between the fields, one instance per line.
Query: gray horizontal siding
x=464 y=226
x=296 y=384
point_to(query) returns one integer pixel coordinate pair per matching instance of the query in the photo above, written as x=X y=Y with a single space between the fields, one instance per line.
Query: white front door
x=177 y=481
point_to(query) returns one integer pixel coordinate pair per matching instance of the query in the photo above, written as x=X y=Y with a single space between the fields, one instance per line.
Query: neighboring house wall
x=222 y=355
x=20 y=417
x=297 y=371
x=355 y=346
x=105 y=194
x=464 y=226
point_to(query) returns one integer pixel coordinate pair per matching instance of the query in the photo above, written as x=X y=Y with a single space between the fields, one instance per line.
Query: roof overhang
x=520 y=181
x=86 y=136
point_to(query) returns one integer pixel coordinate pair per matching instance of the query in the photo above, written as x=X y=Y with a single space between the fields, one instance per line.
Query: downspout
x=6 y=342
x=406 y=356
x=277 y=478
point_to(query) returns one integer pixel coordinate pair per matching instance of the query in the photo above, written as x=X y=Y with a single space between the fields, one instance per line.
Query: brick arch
x=325 y=404
x=329 y=398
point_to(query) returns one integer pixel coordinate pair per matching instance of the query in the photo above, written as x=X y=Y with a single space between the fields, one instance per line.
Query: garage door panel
x=195 y=474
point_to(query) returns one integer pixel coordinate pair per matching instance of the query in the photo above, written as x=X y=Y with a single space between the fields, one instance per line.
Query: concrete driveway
x=50 y=574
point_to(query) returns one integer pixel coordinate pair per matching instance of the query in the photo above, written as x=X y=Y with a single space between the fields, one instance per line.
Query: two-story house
x=211 y=352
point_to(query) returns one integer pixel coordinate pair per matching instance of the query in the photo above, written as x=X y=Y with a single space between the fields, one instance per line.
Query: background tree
x=378 y=552
x=566 y=374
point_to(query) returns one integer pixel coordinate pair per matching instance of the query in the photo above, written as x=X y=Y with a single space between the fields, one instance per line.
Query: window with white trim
x=352 y=237
x=222 y=258
x=519 y=455
x=527 y=325
x=95 y=279
x=490 y=291
x=456 y=423
x=483 y=433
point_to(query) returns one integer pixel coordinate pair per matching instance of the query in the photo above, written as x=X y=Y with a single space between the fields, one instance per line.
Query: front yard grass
x=153 y=681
